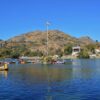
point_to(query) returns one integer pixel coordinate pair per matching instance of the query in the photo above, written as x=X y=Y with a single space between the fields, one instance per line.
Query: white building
x=76 y=50
x=97 y=51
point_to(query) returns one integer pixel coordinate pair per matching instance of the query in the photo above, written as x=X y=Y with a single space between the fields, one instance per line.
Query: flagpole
x=47 y=24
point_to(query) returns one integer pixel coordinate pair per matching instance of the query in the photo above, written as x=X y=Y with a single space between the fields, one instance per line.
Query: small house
x=76 y=50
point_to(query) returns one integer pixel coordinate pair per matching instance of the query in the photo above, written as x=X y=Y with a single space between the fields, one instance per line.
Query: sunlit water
x=79 y=80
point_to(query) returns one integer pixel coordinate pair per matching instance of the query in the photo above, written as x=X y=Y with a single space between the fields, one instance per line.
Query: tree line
x=22 y=50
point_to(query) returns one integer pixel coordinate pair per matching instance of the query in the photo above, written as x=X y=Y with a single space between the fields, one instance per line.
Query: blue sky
x=75 y=17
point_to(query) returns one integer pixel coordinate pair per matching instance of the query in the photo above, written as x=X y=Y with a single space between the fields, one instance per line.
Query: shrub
x=84 y=54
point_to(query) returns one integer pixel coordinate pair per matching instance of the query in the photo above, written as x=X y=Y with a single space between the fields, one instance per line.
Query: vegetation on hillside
x=83 y=54
x=35 y=44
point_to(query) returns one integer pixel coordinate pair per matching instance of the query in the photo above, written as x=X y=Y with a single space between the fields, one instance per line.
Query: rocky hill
x=86 y=40
x=56 y=40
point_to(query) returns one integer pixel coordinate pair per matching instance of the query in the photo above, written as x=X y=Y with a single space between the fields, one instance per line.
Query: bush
x=68 y=49
x=91 y=48
x=83 y=54
x=15 y=55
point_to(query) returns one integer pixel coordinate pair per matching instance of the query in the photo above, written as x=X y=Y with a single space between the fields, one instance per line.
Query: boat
x=60 y=62
x=4 y=67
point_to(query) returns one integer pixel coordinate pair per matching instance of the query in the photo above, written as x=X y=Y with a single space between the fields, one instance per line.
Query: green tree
x=15 y=55
x=68 y=49
x=84 y=54
x=91 y=48
x=5 y=52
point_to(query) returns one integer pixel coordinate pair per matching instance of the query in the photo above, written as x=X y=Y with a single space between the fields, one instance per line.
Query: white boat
x=60 y=62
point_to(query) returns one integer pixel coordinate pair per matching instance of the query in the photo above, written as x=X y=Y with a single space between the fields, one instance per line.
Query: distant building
x=76 y=50
x=92 y=56
x=97 y=51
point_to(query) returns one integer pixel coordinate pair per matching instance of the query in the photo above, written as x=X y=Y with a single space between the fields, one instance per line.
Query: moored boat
x=4 y=67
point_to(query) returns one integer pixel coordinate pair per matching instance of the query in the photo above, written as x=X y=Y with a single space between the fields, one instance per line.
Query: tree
x=5 y=52
x=15 y=55
x=83 y=54
x=91 y=48
x=68 y=49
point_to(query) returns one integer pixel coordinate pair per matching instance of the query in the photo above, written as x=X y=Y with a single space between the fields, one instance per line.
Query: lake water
x=79 y=80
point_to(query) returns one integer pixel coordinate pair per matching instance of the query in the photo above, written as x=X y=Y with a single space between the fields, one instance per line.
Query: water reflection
x=52 y=73
x=41 y=73
x=4 y=73
x=47 y=82
x=81 y=72
x=46 y=69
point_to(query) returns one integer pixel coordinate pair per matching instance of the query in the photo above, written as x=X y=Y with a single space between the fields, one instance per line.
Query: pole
x=47 y=24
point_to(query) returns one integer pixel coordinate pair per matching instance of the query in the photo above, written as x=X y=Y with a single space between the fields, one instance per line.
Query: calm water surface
x=79 y=80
